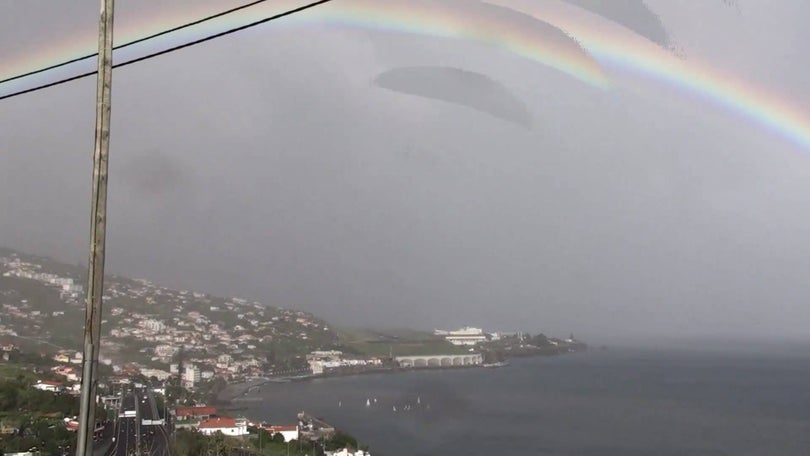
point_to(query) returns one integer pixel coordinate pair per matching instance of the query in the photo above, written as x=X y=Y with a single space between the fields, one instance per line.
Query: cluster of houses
x=200 y=323
x=206 y=420
x=70 y=373
x=226 y=338
x=18 y=268
x=57 y=387
x=326 y=361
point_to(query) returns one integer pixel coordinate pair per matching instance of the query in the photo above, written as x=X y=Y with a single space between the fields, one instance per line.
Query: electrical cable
x=171 y=49
x=139 y=40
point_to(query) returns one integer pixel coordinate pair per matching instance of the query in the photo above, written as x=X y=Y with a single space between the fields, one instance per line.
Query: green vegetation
x=47 y=435
x=18 y=396
x=394 y=342
x=194 y=443
x=33 y=418
x=274 y=445
x=12 y=371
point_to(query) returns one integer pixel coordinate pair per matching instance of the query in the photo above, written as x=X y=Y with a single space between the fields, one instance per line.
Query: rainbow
x=456 y=19
x=620 y=49
x=589 y=45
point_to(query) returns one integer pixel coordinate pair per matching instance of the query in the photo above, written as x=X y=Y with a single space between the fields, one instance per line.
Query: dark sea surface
x=615 y=402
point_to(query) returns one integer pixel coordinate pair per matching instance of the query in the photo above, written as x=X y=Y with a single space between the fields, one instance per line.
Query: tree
x=189 y=443
x=264 y=438
x=341 y=440
x=540 y=340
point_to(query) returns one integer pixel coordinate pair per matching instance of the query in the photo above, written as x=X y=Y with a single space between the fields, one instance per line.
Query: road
x=125 y=428
x=132 y=437
x=158 y=434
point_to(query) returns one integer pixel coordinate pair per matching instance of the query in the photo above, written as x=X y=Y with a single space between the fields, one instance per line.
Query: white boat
x=368 y=402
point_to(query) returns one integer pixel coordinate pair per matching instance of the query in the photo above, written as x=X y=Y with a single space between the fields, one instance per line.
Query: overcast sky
x=269 y=165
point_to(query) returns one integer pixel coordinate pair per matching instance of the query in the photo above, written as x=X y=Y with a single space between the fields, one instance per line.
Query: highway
x=132 y=437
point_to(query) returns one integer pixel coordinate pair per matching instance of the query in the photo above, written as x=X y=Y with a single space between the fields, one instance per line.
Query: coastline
x=234 y=391
x=240 y=389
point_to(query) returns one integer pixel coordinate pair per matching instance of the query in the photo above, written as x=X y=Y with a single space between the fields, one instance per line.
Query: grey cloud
x=296 y=181
x=633 y=14
x=461 y=87
x=153 y=173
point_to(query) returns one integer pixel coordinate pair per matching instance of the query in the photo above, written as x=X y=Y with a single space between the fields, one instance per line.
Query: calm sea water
x=616 y=402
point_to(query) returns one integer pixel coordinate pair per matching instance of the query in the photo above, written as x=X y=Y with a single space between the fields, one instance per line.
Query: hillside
x=144 y=323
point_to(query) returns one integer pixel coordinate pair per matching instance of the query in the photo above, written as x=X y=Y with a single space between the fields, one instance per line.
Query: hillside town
x=153 y=330
x=174 y=359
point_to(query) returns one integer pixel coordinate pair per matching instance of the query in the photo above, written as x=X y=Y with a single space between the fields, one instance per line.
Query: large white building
x=464 y=336
x=191 y=375
x=234 y=427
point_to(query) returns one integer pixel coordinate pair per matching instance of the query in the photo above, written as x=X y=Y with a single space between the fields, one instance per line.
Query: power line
x=171 y=49
x=139 y=40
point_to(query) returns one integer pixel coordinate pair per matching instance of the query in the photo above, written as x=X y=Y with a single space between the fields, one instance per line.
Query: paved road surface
x=131 y=435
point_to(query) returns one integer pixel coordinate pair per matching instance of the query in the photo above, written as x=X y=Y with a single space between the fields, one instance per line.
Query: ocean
x=618 y=402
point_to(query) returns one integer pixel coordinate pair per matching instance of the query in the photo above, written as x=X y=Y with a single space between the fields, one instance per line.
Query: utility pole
x=98 y=229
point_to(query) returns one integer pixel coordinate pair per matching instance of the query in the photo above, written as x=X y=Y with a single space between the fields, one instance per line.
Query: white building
x=464 y=336
x=153 y=325
x=191 y=375
x=289 y=433
x=165 y=351
x=48 y=385
x=157 y=373
x=347 y=452
x=233 y=427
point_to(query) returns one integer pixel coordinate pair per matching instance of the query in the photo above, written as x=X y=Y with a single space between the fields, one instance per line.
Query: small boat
x=395 y=408
x=418 y=400
x=368 y=402
x=498 y=364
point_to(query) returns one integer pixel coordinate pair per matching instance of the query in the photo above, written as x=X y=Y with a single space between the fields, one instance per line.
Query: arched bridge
x=472 y=359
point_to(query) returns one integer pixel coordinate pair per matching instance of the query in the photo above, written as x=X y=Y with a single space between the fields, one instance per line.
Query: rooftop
x=218 y=423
